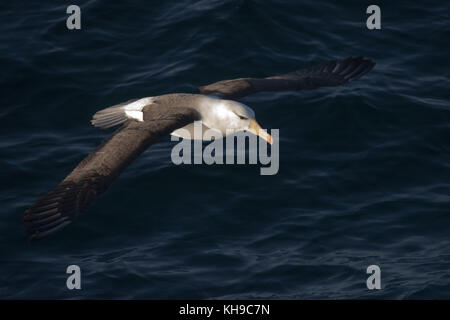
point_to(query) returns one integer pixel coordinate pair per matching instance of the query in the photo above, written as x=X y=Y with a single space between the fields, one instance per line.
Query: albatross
x=147 y=120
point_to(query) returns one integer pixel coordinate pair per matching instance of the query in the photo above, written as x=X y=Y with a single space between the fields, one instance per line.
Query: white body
x=219 y=114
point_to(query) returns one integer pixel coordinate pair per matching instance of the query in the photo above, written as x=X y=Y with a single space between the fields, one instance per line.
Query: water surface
x=364 y=168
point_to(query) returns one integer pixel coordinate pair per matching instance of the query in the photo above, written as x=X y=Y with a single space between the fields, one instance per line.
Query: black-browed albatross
x=145 y=121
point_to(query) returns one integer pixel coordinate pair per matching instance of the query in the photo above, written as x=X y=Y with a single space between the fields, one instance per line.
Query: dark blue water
x=364 y=168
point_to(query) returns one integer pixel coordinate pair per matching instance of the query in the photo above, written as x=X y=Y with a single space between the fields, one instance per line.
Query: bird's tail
x=110 y=117
x=120 y=113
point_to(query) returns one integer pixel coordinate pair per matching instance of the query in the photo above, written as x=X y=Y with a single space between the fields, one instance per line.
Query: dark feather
x=98 y=170
x=333 y=73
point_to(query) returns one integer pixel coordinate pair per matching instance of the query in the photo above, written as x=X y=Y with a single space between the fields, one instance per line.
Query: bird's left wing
x=327 y=74
x=98 y=170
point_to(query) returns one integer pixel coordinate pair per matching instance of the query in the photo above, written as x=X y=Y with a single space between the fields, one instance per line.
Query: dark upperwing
x=333 y=73
x=99 y=169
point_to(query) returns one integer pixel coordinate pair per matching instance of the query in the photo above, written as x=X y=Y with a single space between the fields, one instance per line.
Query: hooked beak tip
x=260 y=132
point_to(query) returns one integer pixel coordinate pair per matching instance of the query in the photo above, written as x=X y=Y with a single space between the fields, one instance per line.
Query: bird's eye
x=241 y=117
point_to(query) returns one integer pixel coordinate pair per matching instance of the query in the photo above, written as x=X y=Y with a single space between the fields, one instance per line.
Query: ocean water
x=364 y=176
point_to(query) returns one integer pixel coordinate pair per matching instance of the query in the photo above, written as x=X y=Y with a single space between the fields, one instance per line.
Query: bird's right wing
x=98 y=170
x=327 y=74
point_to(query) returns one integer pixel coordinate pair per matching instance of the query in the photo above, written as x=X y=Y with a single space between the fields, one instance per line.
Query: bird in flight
x=146 y=121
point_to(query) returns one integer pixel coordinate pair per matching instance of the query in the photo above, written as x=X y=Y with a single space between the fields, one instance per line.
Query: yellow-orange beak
x=256 y=129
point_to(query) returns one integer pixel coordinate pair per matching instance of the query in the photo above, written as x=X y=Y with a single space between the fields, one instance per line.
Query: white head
x=226 y=115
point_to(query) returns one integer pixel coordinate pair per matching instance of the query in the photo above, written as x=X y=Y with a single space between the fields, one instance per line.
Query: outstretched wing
x=98 y=170
x=327 y=74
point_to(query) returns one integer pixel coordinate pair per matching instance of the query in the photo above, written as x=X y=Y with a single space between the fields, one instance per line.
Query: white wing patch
x=138 y=115
x=120 y=113
x=138 y=105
